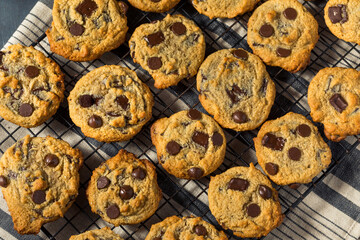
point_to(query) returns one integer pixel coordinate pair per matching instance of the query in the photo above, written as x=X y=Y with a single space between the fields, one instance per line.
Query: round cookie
x=40 y=180
x=154 y=5
x=334 y=100
x=291 y=150
x=124 y=189
x=189 y=144
x=282 y=34
x=110 y=104
x=31 y=86
x=224 y=8
x=82 y=30
x=342 y=18
x=242 y=199
x=170 y=49
x=236 y=89
x=98 y=234
x=157 y=230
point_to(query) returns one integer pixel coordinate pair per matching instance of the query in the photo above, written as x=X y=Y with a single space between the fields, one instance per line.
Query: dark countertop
x=12 y=13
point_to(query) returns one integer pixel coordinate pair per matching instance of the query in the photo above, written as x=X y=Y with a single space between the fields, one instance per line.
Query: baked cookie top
x=224 y=8
x=334 y=100
x=283 y=33
x=236 y=89
x=110 y=103
x=98 y=234
x=124 y=189
x=291 y=150
x=39 y=179
x=170 y=49
x=82 y=30
x=31 y=86
x=342 y=18
x=189 y=144
x=154 y=5
x=242 y=199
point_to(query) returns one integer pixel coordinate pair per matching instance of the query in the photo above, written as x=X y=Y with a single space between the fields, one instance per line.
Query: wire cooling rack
x=185 y=197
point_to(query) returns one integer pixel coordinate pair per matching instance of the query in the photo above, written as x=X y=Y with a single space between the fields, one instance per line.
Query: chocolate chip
x=156 y=238
x=124 y=7
x=294 y=185
x=155 y=38
x=337 y=14
x=113 y=211
x=264 y=87
x=113 y=114
x=32 y=71
x=282 y=52
x=178 y=28
x=238 y=184
x=1 y=57
x=126 y=192
x=3 y=181
x=86 y=8
x=200 y=230
x=155 y=1
x=103 y=182
x=39 y=196
x=239 y=53
x=266 y=30
x=51 y=160
x=294 y=154
x=253 y=210
x=86 y=101
x=138 y=173
x=154 y=63
x=271 y=141
x=272 y=168
x=76 y=29
x=123 y=101
x=239 y=117
x=173 y=148
x=195 y=173
x=194 y=114
x=290 y=13
x=338 y=102
x=25 y=110
x=303 y=130
x=95 y=121
x=235 y=92
x=201 y=138
x=217 y=139
x=265 y=192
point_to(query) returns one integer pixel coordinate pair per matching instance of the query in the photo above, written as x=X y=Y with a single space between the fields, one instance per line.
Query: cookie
x=189 y=144
x=282 y=34
x=157 y=230
x=291 y=150
x=110 y=104
x=224 y=8
x=342 y=18
x=31 y=86
x=124 y=189
x=242 y=199
x=170 y=49
x=334 y=100
x=40 y=180
x=83 y=30
x=154 y=5
x=98 y=234
x=236 y=89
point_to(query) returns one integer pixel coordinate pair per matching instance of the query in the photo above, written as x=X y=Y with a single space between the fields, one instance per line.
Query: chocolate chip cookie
x=291 y=150
x=189 y=144
x=236 y=89
x=98 y=234
x=31 y=86
x=82 y=30
x=243 y=200
x=334 y=100
x=224 y=8
x=283 y=33
x=124 y=189
x=39 y=179
x=154 y=5
x=342 y=18
x=157 y=230
x=110 y=104
x=170 y=49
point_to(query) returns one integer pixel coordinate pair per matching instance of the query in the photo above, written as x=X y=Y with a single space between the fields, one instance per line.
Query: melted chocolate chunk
x=95 y=121
x=235 y=93
x=253 y=210
x=154 y=63
x=200 y=230
x=86 y=8
x=272 y=168
x=76 y=29
x=26 y=110
x=1 y=57
x=294 y=185
x=239 y=117
x=113 y=211
x=126 y=192
x=138 y=173
x=3 y=181
x=113 y=114
x=195 y=173
x=178 y=28
x=264 y=87
x=86 y=100
x=194 y=114
x=39 y=196
x=241 y=54
x=294 y=154
x=173 y=148
x=32 y=71
x=338 y=14
x=303 y=130
x=217 y=139
x=51 y=160
x=271 y=141
x=282 y=52
x=123 y=101
x=265 y=192
x=155 y=38
x=290 y=13
x=338 y=102
x=266 y=30
x=103 y=182
x=238 y=184
x=201 y=138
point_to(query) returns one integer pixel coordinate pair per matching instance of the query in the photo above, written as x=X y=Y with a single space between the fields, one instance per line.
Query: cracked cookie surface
x=98 y=234
x=39 y=179
x=236 y=89
x=154 y=5
x=31 y=86
x=110 y=103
